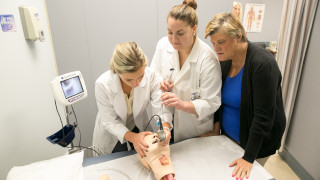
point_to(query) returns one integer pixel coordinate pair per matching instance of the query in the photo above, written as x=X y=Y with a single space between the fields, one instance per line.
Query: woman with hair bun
x=193 y=92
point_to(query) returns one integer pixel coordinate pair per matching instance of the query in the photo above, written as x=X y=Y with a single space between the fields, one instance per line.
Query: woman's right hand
x=168 y=137
x=137 y=139
x=242 y=169
x=165 y=86
x=215 y=132
x=211 y=133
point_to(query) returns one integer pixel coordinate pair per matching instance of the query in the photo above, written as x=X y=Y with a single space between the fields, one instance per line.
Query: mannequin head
x=158 y=158
x=237 y=10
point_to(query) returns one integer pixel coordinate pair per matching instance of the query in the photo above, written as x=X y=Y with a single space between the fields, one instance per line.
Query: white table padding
x=197 y=158
x=67 y=167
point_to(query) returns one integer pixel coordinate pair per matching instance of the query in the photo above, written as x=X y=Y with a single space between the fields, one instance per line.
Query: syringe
x=161 y=134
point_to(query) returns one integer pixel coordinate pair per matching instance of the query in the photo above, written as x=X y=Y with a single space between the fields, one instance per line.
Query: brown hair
x=185 y=12
x=227 y=22
x=127 y=58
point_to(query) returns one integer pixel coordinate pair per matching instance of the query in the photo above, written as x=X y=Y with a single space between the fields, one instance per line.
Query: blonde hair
x=127 y=58
x=240 y=9
x=185 y=12
x=227 y=22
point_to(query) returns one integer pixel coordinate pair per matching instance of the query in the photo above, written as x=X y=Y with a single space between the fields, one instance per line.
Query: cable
x=78 y=126
x=87 y=148
x=55 y=102
x=150 y=120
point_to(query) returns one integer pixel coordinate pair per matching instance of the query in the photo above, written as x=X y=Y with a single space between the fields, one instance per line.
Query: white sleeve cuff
x=121 y=132
x=201 y=107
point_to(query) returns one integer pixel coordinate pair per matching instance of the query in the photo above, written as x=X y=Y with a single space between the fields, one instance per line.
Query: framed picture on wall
x=253 y=17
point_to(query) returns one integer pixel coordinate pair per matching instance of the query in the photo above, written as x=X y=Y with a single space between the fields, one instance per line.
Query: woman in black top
x=261 y=118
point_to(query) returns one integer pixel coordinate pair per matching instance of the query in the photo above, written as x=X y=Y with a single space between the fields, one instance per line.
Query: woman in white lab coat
x=122 y=96
x=194 y=90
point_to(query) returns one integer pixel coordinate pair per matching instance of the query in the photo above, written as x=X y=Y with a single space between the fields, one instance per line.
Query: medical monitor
x=69 y=88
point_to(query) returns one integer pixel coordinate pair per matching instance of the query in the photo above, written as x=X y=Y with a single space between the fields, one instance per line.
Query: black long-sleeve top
x=262 y=117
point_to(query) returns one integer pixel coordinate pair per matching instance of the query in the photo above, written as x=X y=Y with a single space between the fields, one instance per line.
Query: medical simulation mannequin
x=237 y=10
x=104 y=177
x=158 y=159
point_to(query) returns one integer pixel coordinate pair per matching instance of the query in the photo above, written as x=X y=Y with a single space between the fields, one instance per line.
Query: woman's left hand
x=242 y=168
x=171 y=99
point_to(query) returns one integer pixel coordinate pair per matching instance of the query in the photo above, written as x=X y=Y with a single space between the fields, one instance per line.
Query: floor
x=279 y=169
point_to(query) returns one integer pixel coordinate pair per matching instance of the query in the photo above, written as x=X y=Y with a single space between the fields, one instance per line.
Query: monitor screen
x=71 y=87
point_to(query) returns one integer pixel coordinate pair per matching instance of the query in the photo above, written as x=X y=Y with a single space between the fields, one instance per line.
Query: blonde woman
x=237 y=10
x=252 y=111
x=194 y=89
x=122 y=95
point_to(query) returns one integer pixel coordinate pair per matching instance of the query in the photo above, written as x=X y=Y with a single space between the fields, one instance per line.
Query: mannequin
x=237 y=9
x=104 y=177
x=158 y=158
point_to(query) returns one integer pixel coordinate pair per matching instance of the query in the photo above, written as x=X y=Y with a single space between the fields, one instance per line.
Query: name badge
x=195 y=94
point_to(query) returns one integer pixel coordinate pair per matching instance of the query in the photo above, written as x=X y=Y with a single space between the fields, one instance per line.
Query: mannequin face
x=158 y=158
x=180 y=34
x=224 y=45
x=236 y=10
x=133 y=79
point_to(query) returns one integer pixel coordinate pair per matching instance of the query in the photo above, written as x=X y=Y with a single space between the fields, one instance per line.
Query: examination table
x=193 y=159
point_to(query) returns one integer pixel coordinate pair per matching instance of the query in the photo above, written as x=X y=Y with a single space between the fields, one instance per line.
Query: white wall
x=208 y=8
x=27 y=114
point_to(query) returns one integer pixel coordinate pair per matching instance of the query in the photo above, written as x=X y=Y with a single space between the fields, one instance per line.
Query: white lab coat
x=110 y=125
x=200 y=76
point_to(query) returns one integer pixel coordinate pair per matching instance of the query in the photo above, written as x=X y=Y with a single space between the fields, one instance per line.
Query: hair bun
x=191 y=3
